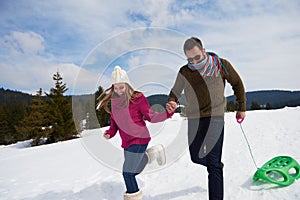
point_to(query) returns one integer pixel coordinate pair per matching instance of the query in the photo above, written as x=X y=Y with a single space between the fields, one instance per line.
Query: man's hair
x=191 y=43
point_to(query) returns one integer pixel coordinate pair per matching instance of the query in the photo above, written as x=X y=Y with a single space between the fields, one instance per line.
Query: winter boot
x=133 y=196
x=157 y=153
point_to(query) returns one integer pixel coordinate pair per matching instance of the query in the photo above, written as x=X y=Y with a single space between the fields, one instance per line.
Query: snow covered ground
x=89 y=167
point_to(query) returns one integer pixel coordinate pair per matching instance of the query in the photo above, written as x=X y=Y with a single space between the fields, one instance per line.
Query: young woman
x=129 y=109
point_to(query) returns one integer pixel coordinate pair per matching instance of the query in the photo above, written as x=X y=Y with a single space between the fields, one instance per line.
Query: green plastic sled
x=281 y=170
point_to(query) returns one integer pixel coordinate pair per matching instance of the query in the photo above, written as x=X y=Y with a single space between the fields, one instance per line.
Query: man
x=203 y=82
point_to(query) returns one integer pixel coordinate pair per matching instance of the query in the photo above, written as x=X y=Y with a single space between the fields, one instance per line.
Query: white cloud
x=28 y=70
x=136 y=48
x=24 y=42
x=258 y=36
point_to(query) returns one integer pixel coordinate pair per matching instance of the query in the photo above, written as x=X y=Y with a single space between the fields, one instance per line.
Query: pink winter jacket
x=129 y=120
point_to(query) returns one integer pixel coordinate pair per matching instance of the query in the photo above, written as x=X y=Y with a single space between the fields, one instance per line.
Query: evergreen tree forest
x=10 y=116
x=49 y=117
x=35 y=125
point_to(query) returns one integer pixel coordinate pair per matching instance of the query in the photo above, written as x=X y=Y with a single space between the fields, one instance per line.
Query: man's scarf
x=210 y=66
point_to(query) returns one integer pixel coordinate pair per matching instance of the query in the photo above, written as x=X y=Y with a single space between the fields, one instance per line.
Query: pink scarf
x=210 y=66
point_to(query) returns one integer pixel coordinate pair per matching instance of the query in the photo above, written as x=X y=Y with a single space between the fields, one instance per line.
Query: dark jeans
x=205 y=136
x=135 y=162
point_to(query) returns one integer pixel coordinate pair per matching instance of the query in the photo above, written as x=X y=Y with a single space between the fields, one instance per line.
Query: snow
x=89 y=167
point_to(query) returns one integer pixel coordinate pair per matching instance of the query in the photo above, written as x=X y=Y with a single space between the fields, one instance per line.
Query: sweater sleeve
x=113 y=128
x=177 y=89
x=149 y=114
x=237 y=85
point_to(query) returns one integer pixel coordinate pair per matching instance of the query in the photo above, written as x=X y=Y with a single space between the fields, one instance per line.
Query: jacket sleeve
x=113 y=128
x=149 y=114
x=237 y=85
x=177 y=89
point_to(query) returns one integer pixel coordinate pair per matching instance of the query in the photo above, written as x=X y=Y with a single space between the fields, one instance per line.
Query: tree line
x=55 y=117
x=51 y=118
x=231 y=106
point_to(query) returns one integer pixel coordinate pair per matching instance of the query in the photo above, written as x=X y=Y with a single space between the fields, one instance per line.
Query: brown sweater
x=205 y=95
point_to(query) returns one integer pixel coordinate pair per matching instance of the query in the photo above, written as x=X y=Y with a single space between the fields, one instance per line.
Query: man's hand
x=240 y=116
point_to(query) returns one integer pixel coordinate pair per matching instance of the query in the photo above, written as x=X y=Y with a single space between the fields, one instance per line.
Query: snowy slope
x=89 y=168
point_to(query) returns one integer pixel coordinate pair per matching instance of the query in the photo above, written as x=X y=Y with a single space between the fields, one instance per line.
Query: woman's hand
x=106 y=135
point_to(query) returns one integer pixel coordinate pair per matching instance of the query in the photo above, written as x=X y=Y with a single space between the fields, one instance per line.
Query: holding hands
x=171 y=106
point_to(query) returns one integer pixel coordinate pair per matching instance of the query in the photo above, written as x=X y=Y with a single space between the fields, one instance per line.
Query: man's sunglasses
x=197 y=57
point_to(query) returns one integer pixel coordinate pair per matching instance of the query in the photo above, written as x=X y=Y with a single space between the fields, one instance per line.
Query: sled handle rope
x=250 y=150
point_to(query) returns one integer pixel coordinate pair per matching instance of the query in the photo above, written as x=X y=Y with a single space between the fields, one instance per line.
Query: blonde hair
x=105 y=97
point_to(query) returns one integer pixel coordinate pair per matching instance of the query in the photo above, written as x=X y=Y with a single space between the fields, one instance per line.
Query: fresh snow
x=89 y=167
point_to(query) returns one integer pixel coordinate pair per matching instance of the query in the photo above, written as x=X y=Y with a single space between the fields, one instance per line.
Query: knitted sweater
x=204 y=95
x=129 y=120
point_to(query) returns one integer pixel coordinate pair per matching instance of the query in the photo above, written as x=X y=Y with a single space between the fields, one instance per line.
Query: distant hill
x=9 y=96
x=161 y=99
x=158 y=101
x=277 y=98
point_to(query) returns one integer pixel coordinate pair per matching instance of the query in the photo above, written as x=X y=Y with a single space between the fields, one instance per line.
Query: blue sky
x=85 y=39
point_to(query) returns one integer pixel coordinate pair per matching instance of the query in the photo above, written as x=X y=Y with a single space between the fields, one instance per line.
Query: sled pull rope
x=250 y=150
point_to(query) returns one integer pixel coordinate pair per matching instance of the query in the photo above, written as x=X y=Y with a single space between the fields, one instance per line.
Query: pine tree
x=230 y=107
x=5 y=136
x=35 y=126
x=13 y=108
x=15 y=112
x=255 y=106
x=60 y=112
x=78 y=112
x=102 y=115
x=268 y=106
x=91 y=115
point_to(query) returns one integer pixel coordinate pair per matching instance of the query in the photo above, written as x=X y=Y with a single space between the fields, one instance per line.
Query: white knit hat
x=119 y=76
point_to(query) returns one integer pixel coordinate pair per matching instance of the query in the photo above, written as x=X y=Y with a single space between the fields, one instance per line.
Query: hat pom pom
x=119 y=75
x=117 y=68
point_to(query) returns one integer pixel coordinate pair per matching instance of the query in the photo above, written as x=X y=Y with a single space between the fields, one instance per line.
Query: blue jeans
x=205 y=136
x=135 y=162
